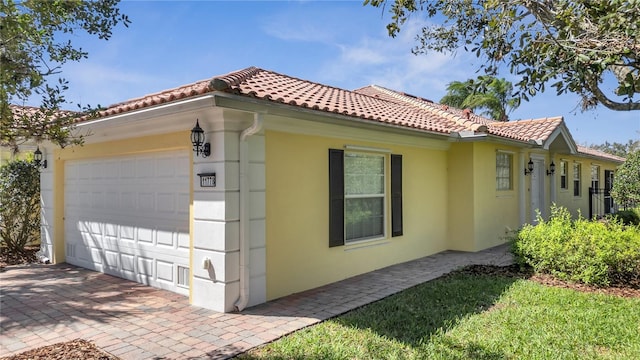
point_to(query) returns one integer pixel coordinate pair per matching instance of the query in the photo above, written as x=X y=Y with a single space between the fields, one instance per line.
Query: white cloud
x=94 y=83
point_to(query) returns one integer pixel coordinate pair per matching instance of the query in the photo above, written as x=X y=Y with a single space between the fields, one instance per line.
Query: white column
x=216 y=228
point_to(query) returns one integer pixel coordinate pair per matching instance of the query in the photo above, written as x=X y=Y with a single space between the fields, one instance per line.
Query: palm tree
x=493 y=95
x=457 y=92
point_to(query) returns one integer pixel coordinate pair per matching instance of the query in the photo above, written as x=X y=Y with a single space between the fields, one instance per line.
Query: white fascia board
x=466 y=136
x=165 y=118
x=564 y=132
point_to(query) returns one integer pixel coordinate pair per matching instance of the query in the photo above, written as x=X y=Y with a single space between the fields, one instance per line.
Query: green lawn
x=464 y=316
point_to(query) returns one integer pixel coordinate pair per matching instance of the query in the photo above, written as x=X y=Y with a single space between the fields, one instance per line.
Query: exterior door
x=537 y=190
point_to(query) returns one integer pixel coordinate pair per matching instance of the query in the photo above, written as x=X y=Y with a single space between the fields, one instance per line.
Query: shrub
x=19 y=205
x=626 y=187
x=627 y=217
x=591 y=252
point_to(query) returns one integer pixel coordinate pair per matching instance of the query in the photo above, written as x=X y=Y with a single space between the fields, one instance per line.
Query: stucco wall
x=479 y=216
x=460 y=209
x=496 y=211
x=579 y=205
x=298 y=253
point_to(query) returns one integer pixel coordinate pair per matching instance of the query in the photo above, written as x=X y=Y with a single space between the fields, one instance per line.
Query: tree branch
x=602 y=98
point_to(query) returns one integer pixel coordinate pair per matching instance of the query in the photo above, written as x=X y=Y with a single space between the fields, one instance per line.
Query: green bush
x=627 y=217
x=19 y=205
x=591 y=252
x=626 y=187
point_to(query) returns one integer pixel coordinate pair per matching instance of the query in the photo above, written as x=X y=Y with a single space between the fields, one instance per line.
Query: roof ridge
x=233 y=78
x=521 y=121
x=439 y=110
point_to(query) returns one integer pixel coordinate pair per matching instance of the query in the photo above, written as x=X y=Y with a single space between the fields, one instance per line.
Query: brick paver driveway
x=46 y=304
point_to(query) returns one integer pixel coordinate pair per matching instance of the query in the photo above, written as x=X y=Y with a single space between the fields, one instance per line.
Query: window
x=576 y=179
x=564 y=184
x=595 y=177
x=364 y=191
x=358 y=196
x=503 y=171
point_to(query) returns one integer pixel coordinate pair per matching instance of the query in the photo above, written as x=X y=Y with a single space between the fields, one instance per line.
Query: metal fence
x=601 y=202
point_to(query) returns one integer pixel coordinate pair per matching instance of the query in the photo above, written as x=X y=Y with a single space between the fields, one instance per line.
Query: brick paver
x=46 y=304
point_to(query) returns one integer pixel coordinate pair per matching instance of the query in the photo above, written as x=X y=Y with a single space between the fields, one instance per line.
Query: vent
x=183 y=276
x=71 y=250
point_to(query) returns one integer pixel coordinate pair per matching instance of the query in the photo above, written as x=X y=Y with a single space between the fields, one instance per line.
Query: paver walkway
x=46 y=304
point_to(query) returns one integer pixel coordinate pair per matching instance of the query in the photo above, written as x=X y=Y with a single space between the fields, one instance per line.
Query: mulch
x=74 y=349
x=626 y=289
x=8 y=258
x=83 y=349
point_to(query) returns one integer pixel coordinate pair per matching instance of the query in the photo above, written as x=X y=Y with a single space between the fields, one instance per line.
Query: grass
x=465 y=316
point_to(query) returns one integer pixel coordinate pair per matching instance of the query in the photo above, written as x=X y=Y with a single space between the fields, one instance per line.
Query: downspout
x=245 y=272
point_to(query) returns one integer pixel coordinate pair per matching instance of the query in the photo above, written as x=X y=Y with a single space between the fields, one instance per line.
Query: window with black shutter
x=358 y=197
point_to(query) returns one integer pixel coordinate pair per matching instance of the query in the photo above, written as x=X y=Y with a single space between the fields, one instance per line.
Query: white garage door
x=129 y=217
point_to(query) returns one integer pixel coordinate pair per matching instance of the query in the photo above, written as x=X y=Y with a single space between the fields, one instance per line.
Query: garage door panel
x=165 y=271
x=128 y=262
x=129 y=217
x=183 y=239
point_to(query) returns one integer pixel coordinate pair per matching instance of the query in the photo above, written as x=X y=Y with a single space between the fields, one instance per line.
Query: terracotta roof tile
x=373 y=103
x=597 y=153
x=182 y=92
x=274 y=87
x=531 y=129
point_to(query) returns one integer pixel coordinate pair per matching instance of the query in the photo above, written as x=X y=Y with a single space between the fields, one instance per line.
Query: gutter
x=245 y=270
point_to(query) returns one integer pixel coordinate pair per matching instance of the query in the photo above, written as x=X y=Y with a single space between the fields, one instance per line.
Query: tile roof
x=524 y=130
x=372 y=103
x=530 y=129
x=182 y=92
x=278 y=88
x=600 y=154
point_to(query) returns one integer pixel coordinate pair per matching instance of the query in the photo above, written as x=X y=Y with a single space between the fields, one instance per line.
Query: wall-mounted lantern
x=197 y=139
x=37 y=158
x=529 y=168
x=552 y=169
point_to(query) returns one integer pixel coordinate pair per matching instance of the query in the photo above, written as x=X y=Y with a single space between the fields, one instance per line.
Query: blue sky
x=342 y=44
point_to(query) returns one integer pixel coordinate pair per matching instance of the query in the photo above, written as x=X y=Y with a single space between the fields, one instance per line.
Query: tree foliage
x=618 y=149
x=19 y=205
x=493 y=95
x=35 y=43
x=626 y=185
x=571 y=44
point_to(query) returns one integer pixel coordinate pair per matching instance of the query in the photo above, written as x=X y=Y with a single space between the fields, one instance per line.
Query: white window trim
x=506 y=192
x=566 y=170
x=385 y=199
x=573 y=179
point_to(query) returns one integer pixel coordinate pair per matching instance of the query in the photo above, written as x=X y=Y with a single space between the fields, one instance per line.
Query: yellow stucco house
x=296 y=184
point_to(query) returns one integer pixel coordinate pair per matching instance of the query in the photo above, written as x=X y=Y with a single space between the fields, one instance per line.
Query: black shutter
x=396 y=195
x=336 y=197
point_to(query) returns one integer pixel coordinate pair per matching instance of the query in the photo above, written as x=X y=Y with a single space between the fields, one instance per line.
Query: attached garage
x=128 y=216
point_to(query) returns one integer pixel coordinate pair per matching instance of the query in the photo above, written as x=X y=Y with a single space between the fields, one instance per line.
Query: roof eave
x=256 y=105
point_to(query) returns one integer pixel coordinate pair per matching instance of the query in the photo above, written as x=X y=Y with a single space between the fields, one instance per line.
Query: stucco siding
x=297 y=190
x=460 y=209
x=496 y=211
x=579 y=205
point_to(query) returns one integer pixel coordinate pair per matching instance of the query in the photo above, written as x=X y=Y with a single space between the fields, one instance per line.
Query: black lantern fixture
x=529 y=168
x=197 y=139
x=552 y=169
x=37 y=158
